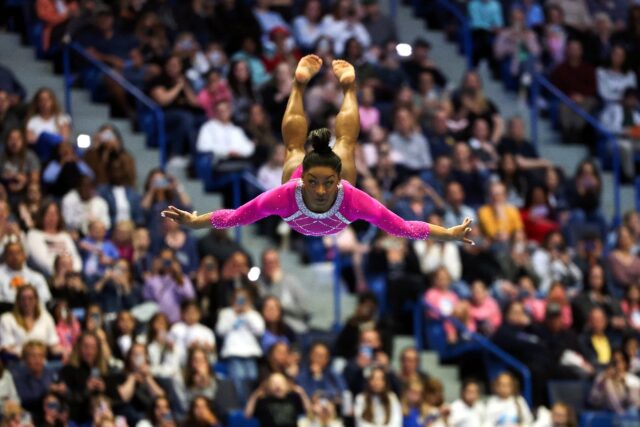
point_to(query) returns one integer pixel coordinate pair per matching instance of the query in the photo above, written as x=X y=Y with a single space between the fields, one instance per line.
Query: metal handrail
x=122 y=82
x=538 y=80
x=486 y=344
x=467 y=39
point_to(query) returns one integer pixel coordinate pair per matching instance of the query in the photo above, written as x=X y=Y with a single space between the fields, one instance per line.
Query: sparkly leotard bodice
x=351 y=204
x=317 y=224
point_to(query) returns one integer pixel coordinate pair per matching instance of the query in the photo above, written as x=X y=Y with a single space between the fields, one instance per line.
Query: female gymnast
x=318 y=196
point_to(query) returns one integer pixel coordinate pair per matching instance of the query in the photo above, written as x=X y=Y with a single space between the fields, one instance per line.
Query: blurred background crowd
x=113 y=316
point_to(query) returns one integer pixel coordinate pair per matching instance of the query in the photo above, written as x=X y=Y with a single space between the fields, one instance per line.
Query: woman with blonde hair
x=506 y=404
x=321 y=414
x=27 y=322
x=47 y=125
x=414 y=407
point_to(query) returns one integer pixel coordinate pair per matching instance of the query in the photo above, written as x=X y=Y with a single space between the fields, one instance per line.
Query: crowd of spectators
x=112 y=315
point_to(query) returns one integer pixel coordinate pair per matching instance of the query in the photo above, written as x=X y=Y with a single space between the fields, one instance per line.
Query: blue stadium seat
x=237 y=419
x=596 y=419
x=220 y=369
x=207 y=174
x=314 y=249
x=572 y=393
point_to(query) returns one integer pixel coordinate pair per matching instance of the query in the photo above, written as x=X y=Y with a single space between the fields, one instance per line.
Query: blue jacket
x=331 y=384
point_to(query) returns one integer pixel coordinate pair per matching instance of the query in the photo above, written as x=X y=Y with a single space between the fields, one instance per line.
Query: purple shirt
x=168 y=294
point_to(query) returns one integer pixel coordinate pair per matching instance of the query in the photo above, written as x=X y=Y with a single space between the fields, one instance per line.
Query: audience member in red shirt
x=577 y=80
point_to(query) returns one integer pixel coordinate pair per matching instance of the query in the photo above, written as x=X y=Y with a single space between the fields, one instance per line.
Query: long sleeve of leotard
x=272 y=202
x=362 y=206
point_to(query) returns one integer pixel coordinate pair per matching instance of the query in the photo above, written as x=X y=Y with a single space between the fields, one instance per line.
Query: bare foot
x=344 y=71
x=307 y=67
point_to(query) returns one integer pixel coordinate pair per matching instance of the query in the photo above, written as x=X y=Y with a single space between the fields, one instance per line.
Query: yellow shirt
x=603 y=349
x=491 y=224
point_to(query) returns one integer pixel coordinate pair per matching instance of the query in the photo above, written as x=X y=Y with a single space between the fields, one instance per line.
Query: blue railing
x=141 y=98
x=540 y=81
x=422 y=309
x=465 y=29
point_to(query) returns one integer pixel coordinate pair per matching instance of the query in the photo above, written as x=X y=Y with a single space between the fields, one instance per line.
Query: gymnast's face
x=320 y=188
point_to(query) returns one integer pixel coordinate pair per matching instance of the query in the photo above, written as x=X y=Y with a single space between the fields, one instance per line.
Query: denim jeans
x=243 y=371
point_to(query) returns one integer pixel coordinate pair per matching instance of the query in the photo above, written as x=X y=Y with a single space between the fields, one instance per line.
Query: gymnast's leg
x=294 y=122
x=347 y=121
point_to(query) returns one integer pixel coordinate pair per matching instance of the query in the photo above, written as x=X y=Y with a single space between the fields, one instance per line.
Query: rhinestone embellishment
x=303 y=208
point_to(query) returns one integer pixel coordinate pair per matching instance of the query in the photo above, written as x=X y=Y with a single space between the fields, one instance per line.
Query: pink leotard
x=351 y=204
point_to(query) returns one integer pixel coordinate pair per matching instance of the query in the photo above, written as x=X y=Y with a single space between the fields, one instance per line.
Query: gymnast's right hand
x=179 y=216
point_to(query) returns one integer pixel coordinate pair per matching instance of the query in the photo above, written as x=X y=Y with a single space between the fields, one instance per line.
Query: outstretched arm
x=457 y=233
x=272 y=202
x=376 y=213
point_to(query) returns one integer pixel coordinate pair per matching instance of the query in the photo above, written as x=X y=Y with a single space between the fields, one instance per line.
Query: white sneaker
x=178 y=162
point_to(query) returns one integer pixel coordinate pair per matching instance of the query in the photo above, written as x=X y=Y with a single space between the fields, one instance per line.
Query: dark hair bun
x=319 y=139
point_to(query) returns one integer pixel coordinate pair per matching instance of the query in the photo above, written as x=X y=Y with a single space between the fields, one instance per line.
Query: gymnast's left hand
x=461 y=232
x=178 y=215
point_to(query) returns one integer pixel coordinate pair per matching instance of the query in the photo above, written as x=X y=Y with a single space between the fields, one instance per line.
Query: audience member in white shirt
x=623 y=119
x=343 y=24
x=241 y=327
x=49 y=239
x=468 y=410
x=82 y=204
x=14 y=273
x=270 y=174
x=28 y=321
x=506 y=408
x=306 y=27
x=223 y=138
x=45 y=115
x=377 y=406
x=164 y=355
x=189 y=332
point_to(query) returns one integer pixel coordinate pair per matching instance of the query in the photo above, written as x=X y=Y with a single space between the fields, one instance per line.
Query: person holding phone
x=160 y=415
x=134 y=389
x=55 y=411
x=241 y=327
x=321 y=414
x=167 y=285
x=161 y=189
x=84 y=375
x=106 y=146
